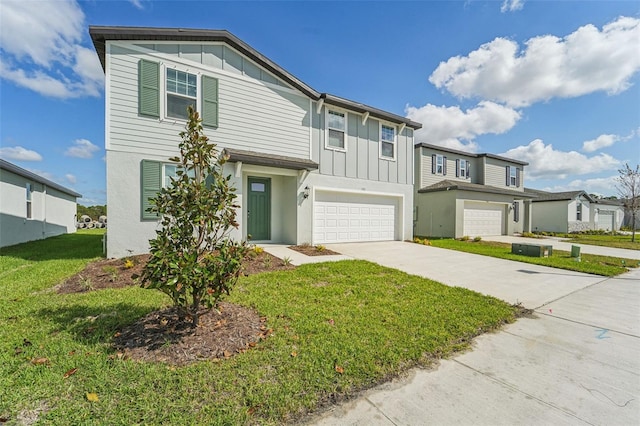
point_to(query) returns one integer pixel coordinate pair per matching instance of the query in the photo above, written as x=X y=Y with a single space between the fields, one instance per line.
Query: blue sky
x=556 y=84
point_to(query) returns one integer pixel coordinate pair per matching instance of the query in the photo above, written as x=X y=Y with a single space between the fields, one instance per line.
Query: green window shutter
x=149 y=88
x=150 y=184
x=209 y=101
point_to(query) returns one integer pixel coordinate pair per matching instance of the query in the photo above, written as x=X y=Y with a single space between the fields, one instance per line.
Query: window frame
x=462 y=168
x=29 y=200
x=164 y=98
x=394 y=142
x=513 y=176
x=579 y=212
x=440 y=157
x=328 y=129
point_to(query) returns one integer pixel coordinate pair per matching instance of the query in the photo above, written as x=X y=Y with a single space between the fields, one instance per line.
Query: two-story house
x=465 y=194
x=308 y=167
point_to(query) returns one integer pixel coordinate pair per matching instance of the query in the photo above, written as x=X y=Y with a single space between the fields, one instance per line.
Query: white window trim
x=462 y=170
x=441 y=172
x=327 y=128
x=395 y=141
x=163 y=89
x=29 y=201
x=513 y=176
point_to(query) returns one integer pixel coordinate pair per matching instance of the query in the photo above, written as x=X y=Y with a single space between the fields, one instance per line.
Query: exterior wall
x=587 y=222
x=53 y=212
x=428 y=178
x=253 y=115
x=495 y=174
x=550 y=216
x=361 y=157
x=510 y=226
x=437 y=214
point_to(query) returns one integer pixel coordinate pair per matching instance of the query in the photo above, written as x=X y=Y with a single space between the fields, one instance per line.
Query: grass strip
x=589 y=263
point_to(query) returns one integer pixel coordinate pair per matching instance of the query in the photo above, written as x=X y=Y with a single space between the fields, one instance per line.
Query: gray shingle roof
x=450 y=185
x=556 y=196
x=272 y=160
x=469 y=154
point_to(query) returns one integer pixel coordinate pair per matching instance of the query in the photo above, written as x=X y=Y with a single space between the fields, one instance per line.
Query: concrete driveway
x=575 y=362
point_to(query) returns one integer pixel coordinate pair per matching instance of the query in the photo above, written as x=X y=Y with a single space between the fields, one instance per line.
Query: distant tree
x=629 y=189
x=193 y=259
x=94 y=212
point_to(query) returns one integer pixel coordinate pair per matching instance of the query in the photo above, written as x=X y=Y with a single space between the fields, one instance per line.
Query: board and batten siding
x=252 y=115
x=361 y=157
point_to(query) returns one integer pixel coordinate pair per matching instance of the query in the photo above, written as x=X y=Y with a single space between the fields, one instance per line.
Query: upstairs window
x=336 y=125
x=29 y=190
x=438 y=164
x=387 y=141
x=182 y=92
x=513 y=176
x=462 y=168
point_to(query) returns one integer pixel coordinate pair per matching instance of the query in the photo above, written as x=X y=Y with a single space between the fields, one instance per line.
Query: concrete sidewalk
x=566 y=246
x=575 y=362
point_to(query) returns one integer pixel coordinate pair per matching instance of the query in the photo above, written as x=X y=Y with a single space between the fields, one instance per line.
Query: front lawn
x=617 y=241
x=590 y=263
x=336 y=328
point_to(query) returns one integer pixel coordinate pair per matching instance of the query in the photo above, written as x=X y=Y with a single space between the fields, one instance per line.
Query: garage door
x=605 y=220
x=342 y=222
x=483 y=219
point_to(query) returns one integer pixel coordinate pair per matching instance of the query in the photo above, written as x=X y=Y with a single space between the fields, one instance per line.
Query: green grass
x=590 y=263
x=372 y=321
x=617 y=241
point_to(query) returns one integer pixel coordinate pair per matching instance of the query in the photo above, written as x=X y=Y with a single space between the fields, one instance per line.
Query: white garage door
x=342 y=222
x=605 y=220
x=483 y=219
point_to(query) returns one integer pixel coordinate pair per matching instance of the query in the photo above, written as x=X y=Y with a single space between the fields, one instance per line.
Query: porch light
x=306 y=192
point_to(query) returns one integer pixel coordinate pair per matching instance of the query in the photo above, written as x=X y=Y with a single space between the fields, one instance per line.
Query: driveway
x=575 y=362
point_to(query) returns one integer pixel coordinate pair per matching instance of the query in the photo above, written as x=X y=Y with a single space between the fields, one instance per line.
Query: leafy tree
x=94 y=212
x=629 y=189
x=193 y=259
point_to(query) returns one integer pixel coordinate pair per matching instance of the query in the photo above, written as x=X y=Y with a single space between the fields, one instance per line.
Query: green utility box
x=532 y=250
x=575 y=252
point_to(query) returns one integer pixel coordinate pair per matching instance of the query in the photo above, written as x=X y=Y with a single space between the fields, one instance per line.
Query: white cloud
x=511 y=5
x=137 y=3
x=585 y=61
x=547 y=163
x=45 y=175
x=82 y=148
x=18 y=153
x=600 y=142
x=449 y=126
x=71 y=178
x=41 y=49
x=600 y=186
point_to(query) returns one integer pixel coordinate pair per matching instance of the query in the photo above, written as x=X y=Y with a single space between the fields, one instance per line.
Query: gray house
x=466 y=194
x=32 y=207
x=573 y=211
x=308 y=167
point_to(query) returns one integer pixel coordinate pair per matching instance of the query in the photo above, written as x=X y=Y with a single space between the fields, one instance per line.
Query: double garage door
x=482 y=219
x=342 y=218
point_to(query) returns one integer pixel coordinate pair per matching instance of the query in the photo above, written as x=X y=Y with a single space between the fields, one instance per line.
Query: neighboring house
x=308 y=167
x=32 y=207
x=573 y=211
x=465 y=194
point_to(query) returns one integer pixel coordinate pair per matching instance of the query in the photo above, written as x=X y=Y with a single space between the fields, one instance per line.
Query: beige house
x=466 y=194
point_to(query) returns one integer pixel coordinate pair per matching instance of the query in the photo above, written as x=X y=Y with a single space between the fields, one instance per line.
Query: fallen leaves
x=40 y=361
x=339 y=369
x=92 y=397
x=70 y=373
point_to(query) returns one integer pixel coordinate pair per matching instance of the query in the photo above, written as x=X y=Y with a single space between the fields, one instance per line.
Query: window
x=182 y=89
x=516 y=211
x=336 y=125
x=579 y=212
x=387 y=141
x=29 y=190
x=182 y=92
x=438 y=164
x=171 y=171
x=155 y=175
x=462 y=168
x=513 y=176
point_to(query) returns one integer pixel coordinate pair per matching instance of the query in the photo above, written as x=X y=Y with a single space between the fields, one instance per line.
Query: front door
x=259 y=209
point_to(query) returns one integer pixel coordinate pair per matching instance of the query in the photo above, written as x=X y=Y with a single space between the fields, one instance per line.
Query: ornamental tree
x=629 y=189
x=193 y=259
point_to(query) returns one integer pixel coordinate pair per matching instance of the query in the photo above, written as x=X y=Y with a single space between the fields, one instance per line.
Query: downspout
x=44 y=208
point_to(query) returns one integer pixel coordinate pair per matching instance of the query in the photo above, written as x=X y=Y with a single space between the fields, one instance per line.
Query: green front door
x=259 y=209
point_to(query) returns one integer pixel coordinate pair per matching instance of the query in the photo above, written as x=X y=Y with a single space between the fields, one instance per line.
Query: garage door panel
x=483 y=219
x=605 y=221
x=353 y=222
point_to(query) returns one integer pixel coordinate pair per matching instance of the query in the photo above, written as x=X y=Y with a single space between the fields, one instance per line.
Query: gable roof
x=469 y=154
x=10 y=167
x=556 y=196
x=451 y=185
x=101 y=34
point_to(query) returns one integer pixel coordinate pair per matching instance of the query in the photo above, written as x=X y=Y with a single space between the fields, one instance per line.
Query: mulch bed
x=162 y=336
x=312 y=250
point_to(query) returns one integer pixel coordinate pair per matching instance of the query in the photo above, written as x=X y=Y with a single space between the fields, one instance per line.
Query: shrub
x=193 y=260
x=465 y=238
x=320 y=247
x=478 y=238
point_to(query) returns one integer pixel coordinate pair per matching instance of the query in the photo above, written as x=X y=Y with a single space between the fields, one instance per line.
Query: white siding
x=252 y=116
x=495 y=174
x=427 y=176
